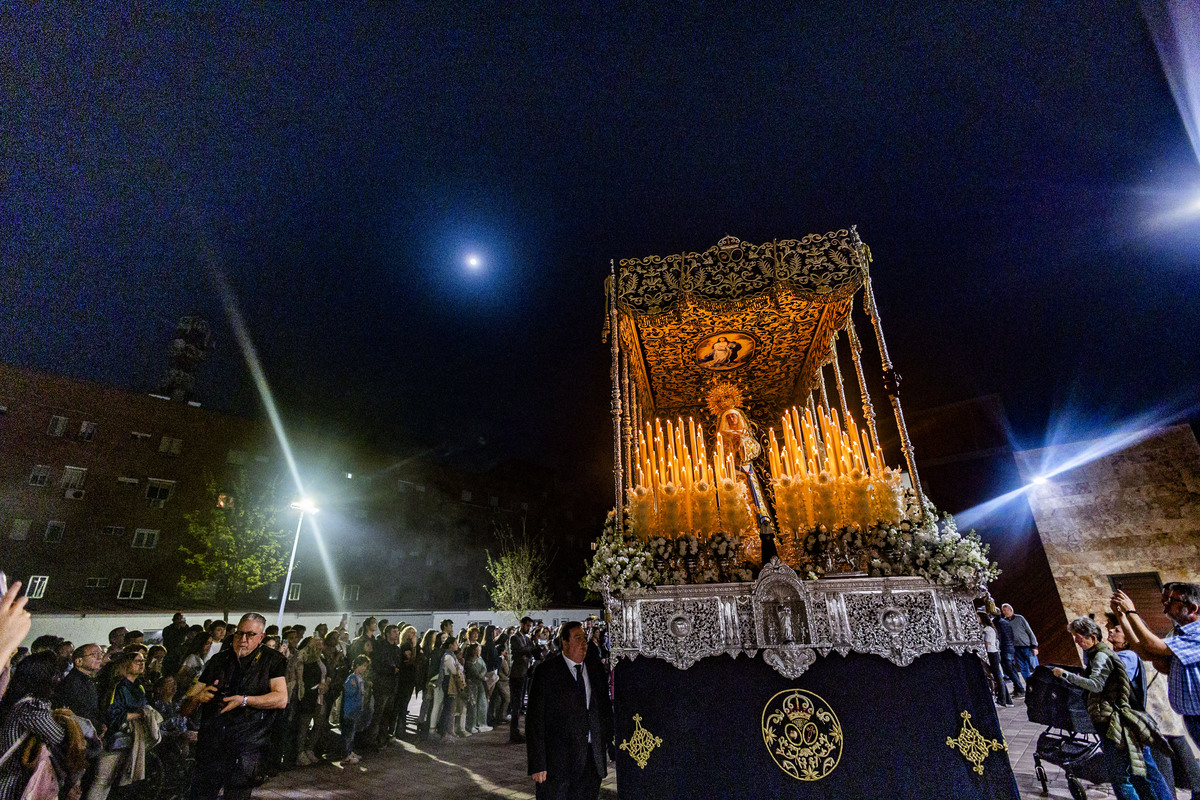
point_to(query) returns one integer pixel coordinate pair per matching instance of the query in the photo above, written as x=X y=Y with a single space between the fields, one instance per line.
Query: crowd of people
x=1142 y=692
x=79 y=720
x=246 y=701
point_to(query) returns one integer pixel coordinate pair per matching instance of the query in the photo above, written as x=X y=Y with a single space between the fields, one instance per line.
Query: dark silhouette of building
x=95 y=483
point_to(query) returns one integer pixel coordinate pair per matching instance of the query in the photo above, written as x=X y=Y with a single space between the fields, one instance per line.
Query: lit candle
x=775 y=470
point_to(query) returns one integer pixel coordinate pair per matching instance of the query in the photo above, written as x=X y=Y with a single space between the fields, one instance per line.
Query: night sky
x=1005 y=162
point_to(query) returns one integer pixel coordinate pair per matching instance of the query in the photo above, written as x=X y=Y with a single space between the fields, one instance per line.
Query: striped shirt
x=1183 y=684
x=30 y=716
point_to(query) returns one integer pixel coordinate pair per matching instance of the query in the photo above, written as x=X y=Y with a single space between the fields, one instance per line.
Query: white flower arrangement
x=921 y=545
x=625 y=563
x=660 y=547
x=721 y=545
x=688 y=545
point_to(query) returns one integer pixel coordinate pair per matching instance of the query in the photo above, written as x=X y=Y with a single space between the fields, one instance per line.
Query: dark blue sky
x=1001 y=160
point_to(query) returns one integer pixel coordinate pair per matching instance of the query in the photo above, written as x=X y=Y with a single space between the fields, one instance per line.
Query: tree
x=518 y=572
x=236 y=545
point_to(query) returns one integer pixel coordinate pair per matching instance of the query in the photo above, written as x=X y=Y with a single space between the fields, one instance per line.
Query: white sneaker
x=353 y=758
x=485 y=728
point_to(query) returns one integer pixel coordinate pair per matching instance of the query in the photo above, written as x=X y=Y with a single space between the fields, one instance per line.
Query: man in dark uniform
x=569 y=723
x=239 y=691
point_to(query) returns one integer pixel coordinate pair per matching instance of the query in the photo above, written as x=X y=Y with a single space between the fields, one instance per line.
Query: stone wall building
x=1130 y=517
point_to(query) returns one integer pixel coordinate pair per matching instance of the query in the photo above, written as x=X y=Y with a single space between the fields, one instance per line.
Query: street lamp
x=304 y=506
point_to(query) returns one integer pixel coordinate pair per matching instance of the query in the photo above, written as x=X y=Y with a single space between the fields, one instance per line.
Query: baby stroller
x=1069 y=741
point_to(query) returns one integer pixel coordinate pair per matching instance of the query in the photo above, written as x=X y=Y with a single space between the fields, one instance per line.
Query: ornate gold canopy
x=760 y=316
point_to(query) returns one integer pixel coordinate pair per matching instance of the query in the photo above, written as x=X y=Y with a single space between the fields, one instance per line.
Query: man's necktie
x=580 y=688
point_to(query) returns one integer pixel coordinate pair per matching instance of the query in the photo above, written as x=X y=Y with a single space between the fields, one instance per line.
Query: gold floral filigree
x=641 y=744
x=973 y=745
x=802 y=734
x=790 y=296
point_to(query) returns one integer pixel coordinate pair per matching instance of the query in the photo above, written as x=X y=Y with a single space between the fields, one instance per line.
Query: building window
x=145 y=539
x=131 y=589
x=36 y=588
x=294 y=592
x=87 y=431
x=58 y=426
x=40 y=475
x=466 y=496
x=54 y=531
x=239 y=457
x=159 y=492
x=114 y=530
x=170 y=446
x=20 y=529
x=96 y=583
x=350 y=592
x=73 y=477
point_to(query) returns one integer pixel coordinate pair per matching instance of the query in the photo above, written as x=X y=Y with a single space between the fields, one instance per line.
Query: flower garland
x=922 y=545
x=933 y=549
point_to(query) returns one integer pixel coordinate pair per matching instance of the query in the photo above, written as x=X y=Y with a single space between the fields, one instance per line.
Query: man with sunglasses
x=239 y=692
x=1178 y=655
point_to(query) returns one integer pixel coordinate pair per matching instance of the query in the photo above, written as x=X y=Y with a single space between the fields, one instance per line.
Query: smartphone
x=3 y=583
x=1117 y=584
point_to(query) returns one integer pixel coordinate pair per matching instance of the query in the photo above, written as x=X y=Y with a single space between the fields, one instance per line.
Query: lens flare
x=1072 y=443
x=250 y=354
x=1175 y=28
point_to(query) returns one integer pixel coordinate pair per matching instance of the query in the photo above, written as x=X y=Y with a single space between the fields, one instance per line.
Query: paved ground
x=486 y=766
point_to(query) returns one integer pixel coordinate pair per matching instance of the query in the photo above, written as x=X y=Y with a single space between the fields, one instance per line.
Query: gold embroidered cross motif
x=973 y=745
x=641 y=744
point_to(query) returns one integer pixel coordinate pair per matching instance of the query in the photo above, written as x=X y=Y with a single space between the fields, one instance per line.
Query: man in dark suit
x=569 y=722
x=522 y=649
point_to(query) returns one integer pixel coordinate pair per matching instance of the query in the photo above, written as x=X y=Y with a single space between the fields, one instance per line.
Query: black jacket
x=78 y=693
x=557 y=725
x=385 y=667
x=1004 y=630
x=522 y=648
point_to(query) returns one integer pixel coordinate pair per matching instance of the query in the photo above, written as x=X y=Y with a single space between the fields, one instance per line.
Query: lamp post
x=303 y=505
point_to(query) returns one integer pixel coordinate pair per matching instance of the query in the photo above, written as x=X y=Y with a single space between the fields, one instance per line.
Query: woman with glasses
x=1125 y=733
x=126 y=700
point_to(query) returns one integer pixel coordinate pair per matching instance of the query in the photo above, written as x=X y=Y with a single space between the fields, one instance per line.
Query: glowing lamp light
x=305 y=505
x=473 y=261
x=1039 y=480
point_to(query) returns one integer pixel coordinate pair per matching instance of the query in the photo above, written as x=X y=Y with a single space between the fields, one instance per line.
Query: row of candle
x=823 y=474
x=679 y=489
x=827 y=474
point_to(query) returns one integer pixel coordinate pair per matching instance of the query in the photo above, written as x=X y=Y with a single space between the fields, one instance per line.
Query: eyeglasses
x=246 y=634
x=1168 y=601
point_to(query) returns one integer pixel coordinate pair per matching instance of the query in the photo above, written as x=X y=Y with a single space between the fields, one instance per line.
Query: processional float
x=788 y=614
